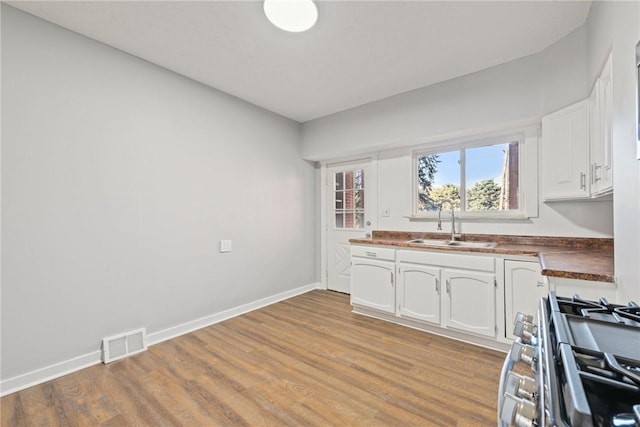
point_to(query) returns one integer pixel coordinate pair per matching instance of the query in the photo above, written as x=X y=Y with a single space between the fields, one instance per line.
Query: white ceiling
x=358 y=52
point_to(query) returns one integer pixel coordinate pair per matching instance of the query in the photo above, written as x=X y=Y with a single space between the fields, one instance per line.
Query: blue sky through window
x=482 y=163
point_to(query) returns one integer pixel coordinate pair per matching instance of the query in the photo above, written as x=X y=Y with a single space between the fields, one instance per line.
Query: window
x=479 y=179
x=349 y=199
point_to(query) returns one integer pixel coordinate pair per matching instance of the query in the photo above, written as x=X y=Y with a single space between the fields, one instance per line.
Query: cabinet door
x=524 y=286
x=565 y=153
x=372 y=284
x=596 y=150
x=418 y=292
x=470 y=302
x=603 y=170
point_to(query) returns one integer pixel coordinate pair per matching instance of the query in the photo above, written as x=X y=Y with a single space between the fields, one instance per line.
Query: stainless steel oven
x=583 y=359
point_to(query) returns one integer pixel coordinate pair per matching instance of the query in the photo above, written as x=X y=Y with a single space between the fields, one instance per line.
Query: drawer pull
x=371 y=254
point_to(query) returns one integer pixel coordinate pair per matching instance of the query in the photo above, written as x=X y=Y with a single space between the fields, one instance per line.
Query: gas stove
x=585 y=356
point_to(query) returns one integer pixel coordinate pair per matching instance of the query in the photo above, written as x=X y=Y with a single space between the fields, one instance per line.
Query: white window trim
x=527 y=174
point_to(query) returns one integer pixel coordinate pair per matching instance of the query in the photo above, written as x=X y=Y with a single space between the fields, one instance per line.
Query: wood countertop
x=573 y=258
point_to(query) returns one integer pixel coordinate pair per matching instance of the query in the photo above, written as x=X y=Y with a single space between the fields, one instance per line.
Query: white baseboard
x=57 y=370
x=185 y=328
x=51 y=372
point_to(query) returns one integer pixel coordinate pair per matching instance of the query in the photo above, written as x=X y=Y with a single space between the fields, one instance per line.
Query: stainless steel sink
x=455 y=243
x=431 y=242
x=472 y=244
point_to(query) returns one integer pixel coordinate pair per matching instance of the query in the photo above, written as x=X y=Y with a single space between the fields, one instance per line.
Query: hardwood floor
x=307 y=361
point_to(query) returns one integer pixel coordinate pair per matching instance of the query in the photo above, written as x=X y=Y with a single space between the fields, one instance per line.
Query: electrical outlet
x=225 y=245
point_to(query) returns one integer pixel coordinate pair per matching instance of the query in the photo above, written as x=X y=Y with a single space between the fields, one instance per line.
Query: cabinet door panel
x=372 y=284
x=524 y=286
x=419 y=292
x=469 y=304
x=596 y=149
x=605 y=171
x=565 y=153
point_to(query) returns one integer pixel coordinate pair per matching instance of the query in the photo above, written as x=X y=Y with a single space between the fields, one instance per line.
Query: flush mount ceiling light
x=291 y=15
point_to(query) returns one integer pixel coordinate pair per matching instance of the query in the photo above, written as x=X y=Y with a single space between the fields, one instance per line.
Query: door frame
x=372 y=178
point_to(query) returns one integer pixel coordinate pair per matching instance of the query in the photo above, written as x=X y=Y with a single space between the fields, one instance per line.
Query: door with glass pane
x=349 y=191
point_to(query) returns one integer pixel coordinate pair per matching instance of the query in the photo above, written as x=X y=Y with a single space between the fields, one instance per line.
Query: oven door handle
x=507 y=367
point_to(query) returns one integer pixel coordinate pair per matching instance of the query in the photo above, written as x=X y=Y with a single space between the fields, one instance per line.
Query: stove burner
x=619 y=371
x=600 y=310
x=632 y=311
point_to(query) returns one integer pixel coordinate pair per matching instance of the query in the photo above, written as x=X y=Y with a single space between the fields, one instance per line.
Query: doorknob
x=367 y=235
x=368 y=222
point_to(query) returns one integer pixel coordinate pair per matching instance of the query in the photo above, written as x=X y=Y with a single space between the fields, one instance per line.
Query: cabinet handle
x=437 y=285
x=372 y=254
x=540 y=284
x=595 y=173
x=448 y=286
x=391 y=278
x=583 y=181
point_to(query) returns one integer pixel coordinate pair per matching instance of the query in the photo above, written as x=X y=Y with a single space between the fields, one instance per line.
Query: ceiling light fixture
x=291 y=15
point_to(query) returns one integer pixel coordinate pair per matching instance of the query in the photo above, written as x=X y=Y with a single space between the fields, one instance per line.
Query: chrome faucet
x=454 y=236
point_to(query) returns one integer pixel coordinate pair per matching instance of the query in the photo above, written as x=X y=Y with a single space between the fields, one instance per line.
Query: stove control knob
x=525 y=330
x=517 y=412
x=520 y=316
x=521 y=386
x=523 y=353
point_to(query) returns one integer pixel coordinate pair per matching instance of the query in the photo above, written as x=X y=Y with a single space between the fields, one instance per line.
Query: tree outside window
x=480 y=178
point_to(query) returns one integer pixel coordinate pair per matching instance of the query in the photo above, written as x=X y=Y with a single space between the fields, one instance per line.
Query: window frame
x=524 y=152
x=355 y=211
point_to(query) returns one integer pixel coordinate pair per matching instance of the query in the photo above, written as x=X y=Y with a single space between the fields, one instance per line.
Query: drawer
x=374 y=252
x=457 y=260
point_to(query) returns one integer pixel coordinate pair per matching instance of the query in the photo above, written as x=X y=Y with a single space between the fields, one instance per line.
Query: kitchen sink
x=455 y=243
x=432 y=242
x=472 y=244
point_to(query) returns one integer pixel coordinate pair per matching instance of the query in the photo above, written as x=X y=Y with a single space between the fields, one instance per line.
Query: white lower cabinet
x=456 y=294
x=418 y=292
x=372 y=278
x=454 y=291
x=524 y=285
x=469 y=303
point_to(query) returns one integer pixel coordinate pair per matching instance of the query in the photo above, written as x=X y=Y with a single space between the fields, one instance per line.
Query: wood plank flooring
x=307 y=361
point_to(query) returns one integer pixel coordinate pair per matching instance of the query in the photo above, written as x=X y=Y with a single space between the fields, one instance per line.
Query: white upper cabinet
x=565 y=153
x=600 y=132
x=576 y=145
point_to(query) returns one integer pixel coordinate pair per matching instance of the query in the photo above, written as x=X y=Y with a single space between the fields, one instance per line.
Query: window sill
x=472 y=216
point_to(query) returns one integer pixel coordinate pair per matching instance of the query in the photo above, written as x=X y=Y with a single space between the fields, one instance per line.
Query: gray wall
x=119 y=178
x=522 y=89
x=615 y=27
